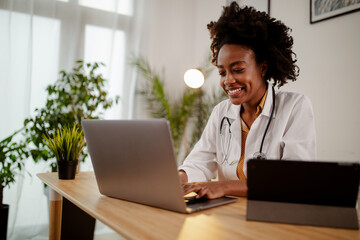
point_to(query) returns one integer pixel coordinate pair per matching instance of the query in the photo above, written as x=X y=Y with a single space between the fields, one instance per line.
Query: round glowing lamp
x=194 y=78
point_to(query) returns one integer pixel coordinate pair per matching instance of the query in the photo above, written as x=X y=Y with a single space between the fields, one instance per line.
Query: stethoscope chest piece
x=259 y=155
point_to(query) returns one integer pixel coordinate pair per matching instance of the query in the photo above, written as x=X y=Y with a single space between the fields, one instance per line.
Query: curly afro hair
x=269 y=39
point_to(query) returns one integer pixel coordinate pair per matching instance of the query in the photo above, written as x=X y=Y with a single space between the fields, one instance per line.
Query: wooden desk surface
x=136 y=221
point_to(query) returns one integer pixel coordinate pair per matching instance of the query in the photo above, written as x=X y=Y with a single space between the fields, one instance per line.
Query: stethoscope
x=225 y=122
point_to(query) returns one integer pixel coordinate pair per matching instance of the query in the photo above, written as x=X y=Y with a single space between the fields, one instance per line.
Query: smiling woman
x=250 y=50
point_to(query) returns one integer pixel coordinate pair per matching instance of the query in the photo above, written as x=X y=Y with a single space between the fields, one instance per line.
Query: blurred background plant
x=187 y=115
x=79 y=94
x=12 y=156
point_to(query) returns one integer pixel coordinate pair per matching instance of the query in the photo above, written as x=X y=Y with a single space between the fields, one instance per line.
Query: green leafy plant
x=12 y=155
x=66 y=144
x=79 y=94
x=192 y=110
x=201 y=113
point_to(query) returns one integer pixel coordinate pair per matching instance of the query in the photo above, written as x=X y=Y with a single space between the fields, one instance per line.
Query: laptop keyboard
x=193 y=200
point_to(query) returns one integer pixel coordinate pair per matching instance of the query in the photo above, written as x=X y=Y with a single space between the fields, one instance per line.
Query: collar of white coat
x=234 y=110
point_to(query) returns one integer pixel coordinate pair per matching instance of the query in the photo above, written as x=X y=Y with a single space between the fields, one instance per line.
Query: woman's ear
x=264 y=68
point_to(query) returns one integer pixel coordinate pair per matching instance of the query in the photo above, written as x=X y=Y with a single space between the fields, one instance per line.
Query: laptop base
x=205 y=203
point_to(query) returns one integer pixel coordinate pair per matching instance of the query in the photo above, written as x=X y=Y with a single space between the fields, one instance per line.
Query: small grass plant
x=66 y=144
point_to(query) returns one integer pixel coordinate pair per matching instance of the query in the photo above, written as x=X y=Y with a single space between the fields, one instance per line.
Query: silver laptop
x=134 y=160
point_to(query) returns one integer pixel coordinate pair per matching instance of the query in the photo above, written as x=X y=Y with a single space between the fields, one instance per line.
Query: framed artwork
x=260 y=5
x=324 y=9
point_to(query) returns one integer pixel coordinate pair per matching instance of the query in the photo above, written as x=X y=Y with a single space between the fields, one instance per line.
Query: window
x=38 y=39
x=44 y=37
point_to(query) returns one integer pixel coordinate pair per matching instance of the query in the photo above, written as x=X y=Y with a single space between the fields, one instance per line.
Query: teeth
x=234 y=91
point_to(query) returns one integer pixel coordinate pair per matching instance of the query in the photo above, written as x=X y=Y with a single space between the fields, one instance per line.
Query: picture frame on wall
x=321 y=10
x=260 y=5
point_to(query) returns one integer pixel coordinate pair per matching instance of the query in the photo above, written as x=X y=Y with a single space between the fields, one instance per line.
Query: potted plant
x=187 y=114
x=12 y=155
x=66 y=145
x=77 y=94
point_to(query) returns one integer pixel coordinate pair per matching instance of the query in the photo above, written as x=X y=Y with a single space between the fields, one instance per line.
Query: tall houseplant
x=12 y=155
x=190 y=112
x=78 y=94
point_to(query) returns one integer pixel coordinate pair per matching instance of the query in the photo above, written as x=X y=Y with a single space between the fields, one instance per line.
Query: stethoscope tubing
x=260 y=154
x=268 y=124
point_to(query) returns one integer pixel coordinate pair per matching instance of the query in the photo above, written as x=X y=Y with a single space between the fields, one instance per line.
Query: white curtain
x=39 y=38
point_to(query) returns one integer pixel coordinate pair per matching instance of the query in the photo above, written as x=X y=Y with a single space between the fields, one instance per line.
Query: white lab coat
x=291 y=135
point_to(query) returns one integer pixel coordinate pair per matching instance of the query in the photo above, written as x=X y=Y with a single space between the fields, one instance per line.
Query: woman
x=252 y=52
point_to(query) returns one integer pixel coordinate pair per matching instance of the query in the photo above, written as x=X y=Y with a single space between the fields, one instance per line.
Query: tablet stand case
x=326 y=197
x=302 y=214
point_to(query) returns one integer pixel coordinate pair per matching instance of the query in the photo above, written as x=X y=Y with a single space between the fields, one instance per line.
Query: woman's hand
x=215 y=189
x=210 y=190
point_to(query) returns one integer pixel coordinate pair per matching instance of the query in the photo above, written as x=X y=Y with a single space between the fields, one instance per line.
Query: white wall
x=329 y=60
x=175 y=38
x=328 y=53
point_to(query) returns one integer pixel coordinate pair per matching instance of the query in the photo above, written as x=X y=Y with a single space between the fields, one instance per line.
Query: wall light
x=194 y=78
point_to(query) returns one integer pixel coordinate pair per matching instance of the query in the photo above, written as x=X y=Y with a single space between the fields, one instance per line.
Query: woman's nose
x=229 y=79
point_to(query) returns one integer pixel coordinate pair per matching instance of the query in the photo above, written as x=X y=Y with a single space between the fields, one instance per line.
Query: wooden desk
x=136 y=221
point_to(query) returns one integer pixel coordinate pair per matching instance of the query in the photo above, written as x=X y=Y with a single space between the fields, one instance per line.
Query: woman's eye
x=238 y=70
x=222 y=74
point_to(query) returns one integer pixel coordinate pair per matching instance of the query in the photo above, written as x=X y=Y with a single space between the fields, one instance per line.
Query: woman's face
x=241 y=77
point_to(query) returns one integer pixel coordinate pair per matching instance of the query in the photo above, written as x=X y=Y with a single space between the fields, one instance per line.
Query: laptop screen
x=321 y=183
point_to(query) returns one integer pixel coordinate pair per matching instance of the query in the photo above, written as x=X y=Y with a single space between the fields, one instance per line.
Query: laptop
x=303 y=192
x=134 y=160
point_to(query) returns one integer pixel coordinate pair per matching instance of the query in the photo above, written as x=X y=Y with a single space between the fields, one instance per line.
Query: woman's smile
x=235 y=92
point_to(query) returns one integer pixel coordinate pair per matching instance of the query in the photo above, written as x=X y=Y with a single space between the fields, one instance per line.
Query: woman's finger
x=188 y=188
